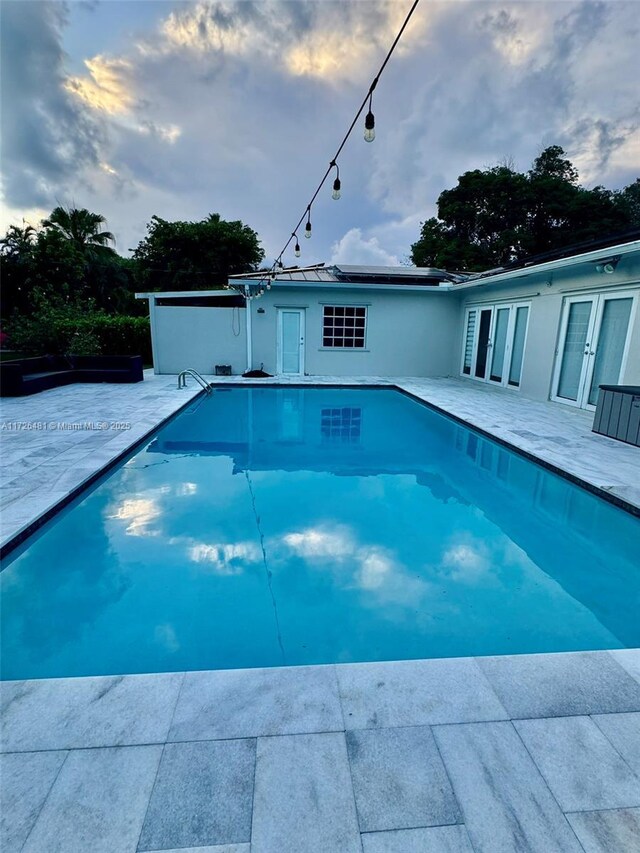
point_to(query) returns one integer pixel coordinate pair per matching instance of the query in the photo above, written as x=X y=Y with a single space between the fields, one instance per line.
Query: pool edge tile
x=419 y=692
x=559 y=684
x=87 y=712
x=260 y=702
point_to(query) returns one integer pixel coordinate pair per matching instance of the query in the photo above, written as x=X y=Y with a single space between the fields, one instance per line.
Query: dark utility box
x=618 y=413
x=223 y=370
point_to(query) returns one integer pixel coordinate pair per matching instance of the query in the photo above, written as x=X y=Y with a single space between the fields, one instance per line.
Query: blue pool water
x=267 y=526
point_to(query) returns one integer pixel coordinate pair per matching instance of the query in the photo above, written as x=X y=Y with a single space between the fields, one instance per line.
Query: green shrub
x=62 y=329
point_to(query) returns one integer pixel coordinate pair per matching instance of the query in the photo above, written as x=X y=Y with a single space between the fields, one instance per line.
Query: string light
x=336 y=184
x=369 y=123
x=369 y=135
x=369 y=120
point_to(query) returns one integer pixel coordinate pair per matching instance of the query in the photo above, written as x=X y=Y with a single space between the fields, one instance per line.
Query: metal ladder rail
x=182 y=379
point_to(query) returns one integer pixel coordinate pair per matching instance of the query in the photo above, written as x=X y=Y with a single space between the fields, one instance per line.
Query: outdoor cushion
x=30 y=375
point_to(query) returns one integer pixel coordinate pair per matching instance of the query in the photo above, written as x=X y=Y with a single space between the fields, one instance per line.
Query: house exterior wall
x=546 y=295
x=198 y=337
x=408 y=333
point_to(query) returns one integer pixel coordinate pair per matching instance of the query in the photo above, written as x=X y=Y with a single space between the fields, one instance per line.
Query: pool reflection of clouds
x=224 y=558
x=140 y=513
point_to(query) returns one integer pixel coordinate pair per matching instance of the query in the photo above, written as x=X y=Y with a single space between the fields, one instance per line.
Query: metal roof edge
x=347 y=285
x=548 y=266
x=175 y=294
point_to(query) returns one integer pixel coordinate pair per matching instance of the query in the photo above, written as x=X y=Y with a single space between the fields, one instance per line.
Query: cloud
x=139 y=513
x=375 y=568
x=371 y=568
x=319 y=543
x=47 y=137
x=326 y=41
x=467 y=562
x=533 y=74
x=107 y=87
x=236 y=107
x=165 y=635
x=227 y=558
x=354 y=248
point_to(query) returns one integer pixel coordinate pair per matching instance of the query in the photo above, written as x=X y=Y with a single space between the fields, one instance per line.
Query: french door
x=594 y=336
x=290 y=349
x=494 y=342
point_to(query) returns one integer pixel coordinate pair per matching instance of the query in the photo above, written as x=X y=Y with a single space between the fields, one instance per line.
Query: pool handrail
x=182 y=379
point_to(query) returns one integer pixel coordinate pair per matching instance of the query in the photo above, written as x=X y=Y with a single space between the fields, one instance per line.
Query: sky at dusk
x=181 y=109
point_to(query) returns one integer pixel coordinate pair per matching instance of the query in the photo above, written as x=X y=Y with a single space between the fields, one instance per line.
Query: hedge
x=61 y=333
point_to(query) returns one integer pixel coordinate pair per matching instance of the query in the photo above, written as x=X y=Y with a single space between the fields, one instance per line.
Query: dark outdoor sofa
x=30 y=375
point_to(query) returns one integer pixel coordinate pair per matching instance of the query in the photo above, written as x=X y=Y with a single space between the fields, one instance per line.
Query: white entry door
x=291 y=341
x=593 y=344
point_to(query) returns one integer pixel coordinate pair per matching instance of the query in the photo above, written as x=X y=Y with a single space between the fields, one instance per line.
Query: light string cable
x=369 y=135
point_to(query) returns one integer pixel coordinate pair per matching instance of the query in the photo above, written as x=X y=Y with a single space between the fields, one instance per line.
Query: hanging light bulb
x=336 y=184
x=369 y=127
x=307 y=227
x=369 y=120
x=296 y=250
x=268 y=287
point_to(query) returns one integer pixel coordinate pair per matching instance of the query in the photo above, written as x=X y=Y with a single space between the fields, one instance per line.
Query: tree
x=68 y=258
x=498 y=215
x=195 y=255
x=81 y=228
x=629 y=200
x=16 y=251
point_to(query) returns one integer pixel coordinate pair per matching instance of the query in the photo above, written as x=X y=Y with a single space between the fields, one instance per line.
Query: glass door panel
x=484 y=343
x=609 y=350
x=499 y=348
x=573 y=350
x=467 y=359
x=290 y=341
x=517 y=352
x=493 y=344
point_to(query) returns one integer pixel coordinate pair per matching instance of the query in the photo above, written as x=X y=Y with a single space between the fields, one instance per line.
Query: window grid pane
x=344 y=326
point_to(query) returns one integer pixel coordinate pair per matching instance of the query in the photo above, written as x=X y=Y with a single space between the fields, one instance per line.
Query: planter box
x=618 y=413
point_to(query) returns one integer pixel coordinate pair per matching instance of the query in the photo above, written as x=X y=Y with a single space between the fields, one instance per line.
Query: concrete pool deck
x=512 y=753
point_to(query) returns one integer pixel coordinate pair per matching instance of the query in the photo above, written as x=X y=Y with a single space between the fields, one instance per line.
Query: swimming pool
x=281 y=526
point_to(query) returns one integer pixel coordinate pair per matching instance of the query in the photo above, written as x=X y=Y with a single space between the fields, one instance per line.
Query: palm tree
x=81 y=228
x=18 y=242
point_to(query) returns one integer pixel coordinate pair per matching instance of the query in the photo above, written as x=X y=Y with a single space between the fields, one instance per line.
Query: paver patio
x=340 y=769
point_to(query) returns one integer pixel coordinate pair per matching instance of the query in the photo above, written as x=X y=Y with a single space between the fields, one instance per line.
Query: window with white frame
x=344 y=326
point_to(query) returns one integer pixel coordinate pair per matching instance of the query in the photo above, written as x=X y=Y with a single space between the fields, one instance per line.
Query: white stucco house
x=552 y=328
